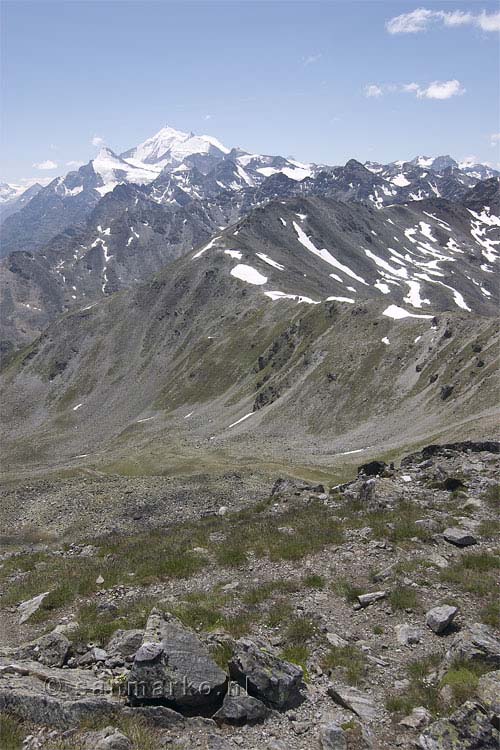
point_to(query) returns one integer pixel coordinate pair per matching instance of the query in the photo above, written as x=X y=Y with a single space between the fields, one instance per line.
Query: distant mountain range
x=174 y=168
x=184 y=274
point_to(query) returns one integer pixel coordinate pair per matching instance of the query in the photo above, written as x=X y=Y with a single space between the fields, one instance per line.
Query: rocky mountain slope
x=434 y=249
x=284 y=325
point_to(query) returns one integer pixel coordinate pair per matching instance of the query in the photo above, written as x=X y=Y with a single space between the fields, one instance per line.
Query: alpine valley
x=249 y=409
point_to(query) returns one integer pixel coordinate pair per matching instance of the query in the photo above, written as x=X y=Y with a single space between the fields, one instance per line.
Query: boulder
x=124 y=643
x=332 y=737
x=439 y=618
x=372 y=468
x=265 y=676
x=468 y=728
x=173 y=665
x=419 y=718
x=407 y=635
x=109 y=739
x=354 y=700
x=50 y=649
x=30 y=606
x=93 y=656
x=459 y=537
x=366 y=599
x=476 y=643
x=241 y=709
x=488 y=692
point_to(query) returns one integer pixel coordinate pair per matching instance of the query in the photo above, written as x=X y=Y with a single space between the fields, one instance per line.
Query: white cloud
x=311 y=59
x=434 y=90
x=98 y=141
x=207 y=117
x=372 y=90
x=489 y=21
x=47 y=164
x=421 y=19
x=495 y=139
x=75 y=164
x=410 y=23
x=441 y=90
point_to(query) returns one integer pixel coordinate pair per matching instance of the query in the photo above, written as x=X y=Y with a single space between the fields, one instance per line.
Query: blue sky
x=322 y=81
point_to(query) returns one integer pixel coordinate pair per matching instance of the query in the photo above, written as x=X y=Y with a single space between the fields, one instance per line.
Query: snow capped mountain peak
x=114 y=170
x=171 y=146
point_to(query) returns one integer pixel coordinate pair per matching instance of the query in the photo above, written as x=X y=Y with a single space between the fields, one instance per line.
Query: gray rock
x=476 y=643
x=419 y=718
x=354 y=700
x=173 y=664
x=407 y=635
x=51 y=649
x=439 y=618
x=366 y=599
x=336 y=640
x=468 y=728
x=241 y=709
x=124 y=643
x=332 y=737
x=92 y=656
x=459 y=537
x=30 y=606
x=488 y=692
x=275 y=681
x=110 y=739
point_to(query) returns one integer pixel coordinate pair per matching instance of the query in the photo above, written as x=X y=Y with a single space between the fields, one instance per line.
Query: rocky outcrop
x=476 y=643
x=468 y=728
x=265 y=676
x=354 y=700
x=173 y=666
x=241 y=709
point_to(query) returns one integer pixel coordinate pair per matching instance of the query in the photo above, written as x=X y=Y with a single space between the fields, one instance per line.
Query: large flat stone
x=172 y=665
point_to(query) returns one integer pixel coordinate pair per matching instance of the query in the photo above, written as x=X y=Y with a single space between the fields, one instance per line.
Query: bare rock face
x=124 y=643
x=332 y=737
x=459 y=537
x=439 y=618
x=241 y=709
x=173 y=666
x=488 y=691
x=109 y=738
x=476 y=643
x=468 y=728
x=263 y=675
x=30 y=606
x=51 y=649
x=354 y=700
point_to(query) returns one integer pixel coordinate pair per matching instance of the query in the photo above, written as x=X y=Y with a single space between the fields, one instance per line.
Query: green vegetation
x=463 y=677
x=314 y=582
x=11 y=732
x=490 y=614
x=397 y=525
x=345 y=588
x=420 y=691
x=491 y=496
x=98 y=627
x=475 y=573
x=300 y=630
x=163 y=554
x=350 y=659
x=403 y=597
x=297 y=655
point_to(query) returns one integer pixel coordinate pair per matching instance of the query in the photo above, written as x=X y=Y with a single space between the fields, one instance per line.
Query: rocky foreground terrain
x=294 y=616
